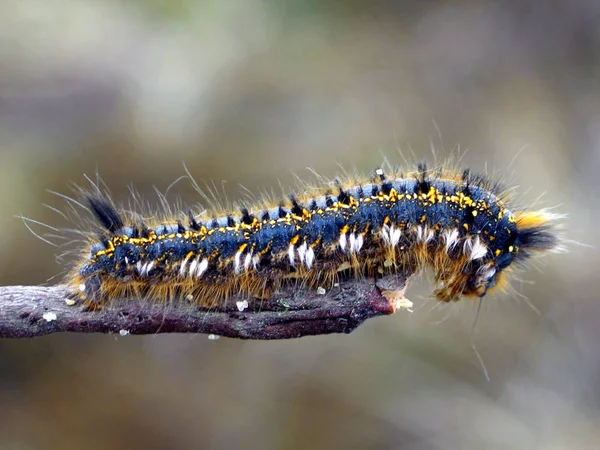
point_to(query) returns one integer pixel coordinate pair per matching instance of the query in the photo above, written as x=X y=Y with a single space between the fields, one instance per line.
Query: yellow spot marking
x=498 y=251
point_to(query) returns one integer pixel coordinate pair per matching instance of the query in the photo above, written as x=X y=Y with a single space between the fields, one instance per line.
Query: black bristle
x=422 y=178
x=343 y=196
x=247 y=218
x=264 y=216
x=466 y=179
x=180 y=228
x=328 y=201
x=106 y=214
x=466 y=176
x=312 y=205
x=230 y=222
x=282 y=212
x=144 y=230
x=375 y=191
x=361 y=192
x=386 y=188
x=296 y=207
x=194 y=225
x=538 y=238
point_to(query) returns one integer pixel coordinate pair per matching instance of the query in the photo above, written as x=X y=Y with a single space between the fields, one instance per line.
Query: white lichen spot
x=336 y=284
x=213 y=337
x=49 y=316
x=69 y=301
x=189 y=298
x=242 y=305
x=397 y=298
x=123 y=332
x=321 y=291
x=82 y=287
x=403 y=303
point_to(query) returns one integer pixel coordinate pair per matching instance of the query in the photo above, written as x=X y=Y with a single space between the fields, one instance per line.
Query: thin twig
x=28 y=311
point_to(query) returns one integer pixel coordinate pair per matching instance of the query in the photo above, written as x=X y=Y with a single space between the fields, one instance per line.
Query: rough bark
x=28 y=311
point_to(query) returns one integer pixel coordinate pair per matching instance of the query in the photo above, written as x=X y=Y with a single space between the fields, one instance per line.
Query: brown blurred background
x=250 y=92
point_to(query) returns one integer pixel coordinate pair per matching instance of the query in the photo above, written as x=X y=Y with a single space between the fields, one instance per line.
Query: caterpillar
x=458 y=225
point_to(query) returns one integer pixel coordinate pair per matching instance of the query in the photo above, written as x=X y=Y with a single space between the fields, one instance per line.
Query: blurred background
x=253 y=92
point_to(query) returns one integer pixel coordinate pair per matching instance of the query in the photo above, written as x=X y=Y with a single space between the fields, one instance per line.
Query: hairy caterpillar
x=457 y=224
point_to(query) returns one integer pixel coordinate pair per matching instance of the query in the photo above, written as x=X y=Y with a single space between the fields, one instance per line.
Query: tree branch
x=28 y=311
